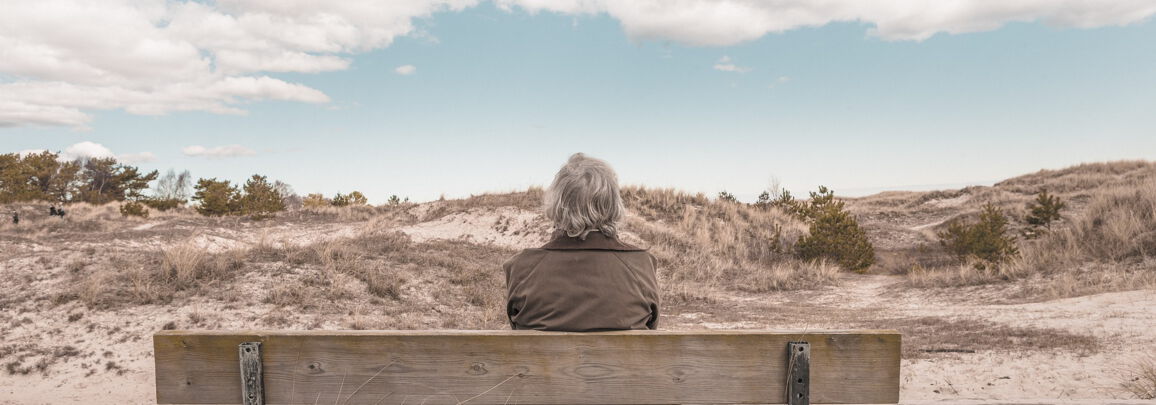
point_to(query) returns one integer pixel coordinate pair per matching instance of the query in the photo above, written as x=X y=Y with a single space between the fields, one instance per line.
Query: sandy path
x=1122 y=322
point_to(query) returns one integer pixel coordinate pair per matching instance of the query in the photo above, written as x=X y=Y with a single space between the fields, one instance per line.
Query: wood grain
x=526 y=367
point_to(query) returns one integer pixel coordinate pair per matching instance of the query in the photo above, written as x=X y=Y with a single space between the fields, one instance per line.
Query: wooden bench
x=525 y=367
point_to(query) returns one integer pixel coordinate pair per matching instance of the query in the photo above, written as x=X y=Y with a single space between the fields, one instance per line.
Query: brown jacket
x=575 y=285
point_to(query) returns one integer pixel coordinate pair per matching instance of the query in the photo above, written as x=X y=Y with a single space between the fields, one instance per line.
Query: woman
x=585 y=279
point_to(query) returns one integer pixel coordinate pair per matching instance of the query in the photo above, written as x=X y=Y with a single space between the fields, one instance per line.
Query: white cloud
x=62 y=59
x=93 y=150
x=218 y=151
x=66 y=58
x=728 y=22
x=405 y=70
x=135 y=158
x=726 y=65
x=86 y=150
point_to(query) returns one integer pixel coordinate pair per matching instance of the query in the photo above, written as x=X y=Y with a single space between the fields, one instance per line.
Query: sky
x=424 y=98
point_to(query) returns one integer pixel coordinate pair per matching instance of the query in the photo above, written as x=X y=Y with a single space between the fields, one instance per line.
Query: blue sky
x=499 y=98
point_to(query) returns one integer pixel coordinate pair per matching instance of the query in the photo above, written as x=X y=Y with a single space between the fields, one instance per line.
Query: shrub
x=726 y=197
x=162 y=204
x=356 y=198
x=315 y=200
x=783 y=200
x=835 y=235
x=986 y=240
x=764 y=200
x=260 y=198
x=135 y=209
x=394 y=200
x=353 y=198
x=216 y=197
x=1044 y=210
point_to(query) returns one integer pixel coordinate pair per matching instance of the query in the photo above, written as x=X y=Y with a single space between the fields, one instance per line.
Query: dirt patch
x=924 y=336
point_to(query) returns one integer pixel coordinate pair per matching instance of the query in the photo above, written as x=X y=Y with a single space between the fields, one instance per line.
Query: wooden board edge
x=460 y=332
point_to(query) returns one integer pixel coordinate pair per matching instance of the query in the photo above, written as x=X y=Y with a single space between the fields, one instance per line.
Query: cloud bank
x=728 y=22
x=62 y=59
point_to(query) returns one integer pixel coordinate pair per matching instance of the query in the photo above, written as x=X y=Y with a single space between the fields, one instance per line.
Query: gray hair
x=584 y=197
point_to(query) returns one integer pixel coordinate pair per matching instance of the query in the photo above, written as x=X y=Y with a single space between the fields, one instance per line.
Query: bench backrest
x=508 y=367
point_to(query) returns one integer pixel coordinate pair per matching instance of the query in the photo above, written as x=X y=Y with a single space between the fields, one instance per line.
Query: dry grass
x=1082 y=177
x=81 y=218
x=1141 y=381
x=151 y=278
x=1107 y=245
x=349 y=213
x=530 y=200
x=721 y=244
x=413 y=277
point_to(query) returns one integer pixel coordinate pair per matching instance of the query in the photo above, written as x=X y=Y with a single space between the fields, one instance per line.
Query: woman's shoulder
x=639 y=258
x=525 y=257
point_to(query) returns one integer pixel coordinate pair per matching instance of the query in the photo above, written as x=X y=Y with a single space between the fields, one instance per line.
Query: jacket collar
x=594 y=241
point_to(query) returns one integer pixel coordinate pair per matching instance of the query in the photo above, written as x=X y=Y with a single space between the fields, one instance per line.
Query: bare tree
x=173 y=186
x=776 y=188
x=288 y=197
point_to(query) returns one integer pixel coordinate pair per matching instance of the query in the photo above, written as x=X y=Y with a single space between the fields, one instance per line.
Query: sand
x=113 y=356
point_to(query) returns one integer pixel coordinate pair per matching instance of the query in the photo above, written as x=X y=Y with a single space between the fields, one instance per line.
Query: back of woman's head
x=584 y=197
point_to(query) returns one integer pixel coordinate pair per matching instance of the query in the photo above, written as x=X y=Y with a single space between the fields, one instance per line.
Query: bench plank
x=507 y=367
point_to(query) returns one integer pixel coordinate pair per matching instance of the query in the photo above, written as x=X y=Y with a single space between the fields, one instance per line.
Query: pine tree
x=727 y=197
x=104 y=180
x=1044 y=210
x=764 y=200
x=260 y=198
x=986 y=240
x=216 y=197
x=834 y=234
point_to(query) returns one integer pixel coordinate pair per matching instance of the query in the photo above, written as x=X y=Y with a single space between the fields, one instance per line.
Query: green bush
x=216 y=197
x=260 y=198
x=46 y=176
x=727 y=197
x=356 y=198
x=162 y=204
x=394 y=200
x=315 y=200
x=786 y=202
x=834 y=234
x=986 y=240
x=1044 y=210
x=353 y=198
x=134 y=209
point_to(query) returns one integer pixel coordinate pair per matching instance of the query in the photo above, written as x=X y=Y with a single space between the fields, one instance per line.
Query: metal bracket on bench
x=252 y=385
x=798 y=373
